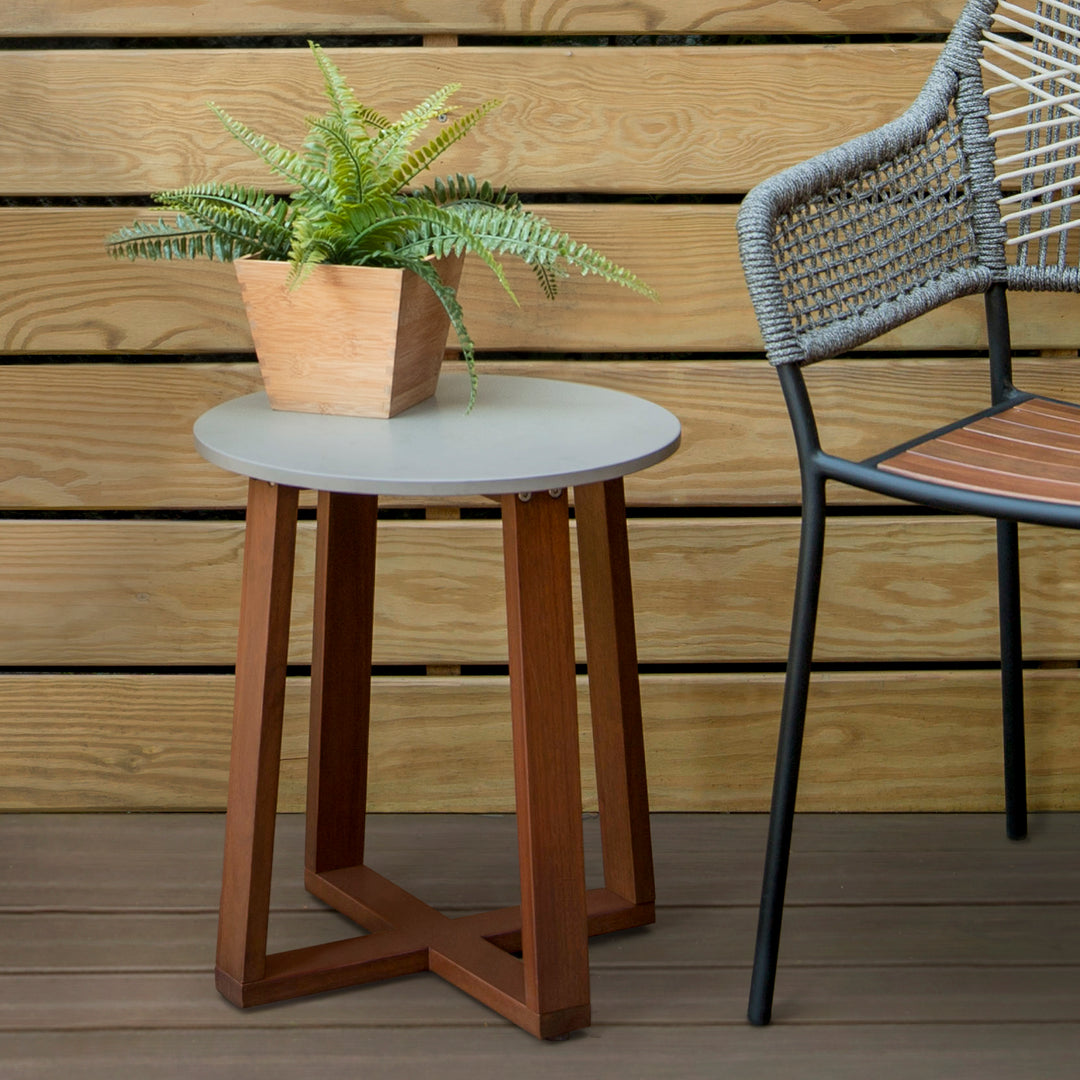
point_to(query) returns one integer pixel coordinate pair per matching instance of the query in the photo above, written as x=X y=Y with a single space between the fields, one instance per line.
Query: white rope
x=1053 y=121
x=1032 y=21
x=1032 y=170
x=1046 y=189
x=1032 y=211
x=1043 y=60
x=1013 y=50
x=1039 y=233
x=1038 y=151
x=1031 y=86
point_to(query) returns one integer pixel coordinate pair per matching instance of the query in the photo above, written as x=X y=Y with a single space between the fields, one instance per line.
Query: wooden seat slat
x=978 y=457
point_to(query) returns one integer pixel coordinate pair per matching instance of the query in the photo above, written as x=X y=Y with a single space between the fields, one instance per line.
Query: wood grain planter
x=349 y=340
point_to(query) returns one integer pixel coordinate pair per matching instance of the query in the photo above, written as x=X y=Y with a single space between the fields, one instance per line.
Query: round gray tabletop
x=524 y=434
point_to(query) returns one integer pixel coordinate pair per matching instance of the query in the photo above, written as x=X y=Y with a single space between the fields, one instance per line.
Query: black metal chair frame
x=954 y=89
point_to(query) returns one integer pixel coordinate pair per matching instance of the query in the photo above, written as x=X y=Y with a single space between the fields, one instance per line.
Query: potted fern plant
x=355 y=268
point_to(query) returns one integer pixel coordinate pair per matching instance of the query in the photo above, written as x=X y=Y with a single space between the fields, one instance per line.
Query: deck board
x=884 y=935
x=915 y=945
x=886 y=1052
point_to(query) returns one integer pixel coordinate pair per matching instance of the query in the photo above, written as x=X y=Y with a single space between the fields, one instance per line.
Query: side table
x=526 y=442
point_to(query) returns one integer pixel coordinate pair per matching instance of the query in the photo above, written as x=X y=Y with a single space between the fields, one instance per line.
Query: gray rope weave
x=888 y=226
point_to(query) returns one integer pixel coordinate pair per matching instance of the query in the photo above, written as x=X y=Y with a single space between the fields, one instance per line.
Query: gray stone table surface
x=524 y=434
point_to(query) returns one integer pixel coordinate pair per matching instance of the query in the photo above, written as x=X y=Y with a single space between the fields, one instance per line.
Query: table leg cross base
x=473 y=952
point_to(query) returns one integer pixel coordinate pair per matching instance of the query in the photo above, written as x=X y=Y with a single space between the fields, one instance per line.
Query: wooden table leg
x=547 y=990
x=554 y=928
x=614 y=694
x=340 y=681
x=262 y=657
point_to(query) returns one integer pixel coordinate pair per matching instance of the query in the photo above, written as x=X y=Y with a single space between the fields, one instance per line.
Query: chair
x=970 y=191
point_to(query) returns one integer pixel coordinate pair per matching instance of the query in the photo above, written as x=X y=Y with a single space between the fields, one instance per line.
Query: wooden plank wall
x=635 y=125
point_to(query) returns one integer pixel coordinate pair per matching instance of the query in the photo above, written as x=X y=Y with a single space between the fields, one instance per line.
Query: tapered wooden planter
x=350 y=340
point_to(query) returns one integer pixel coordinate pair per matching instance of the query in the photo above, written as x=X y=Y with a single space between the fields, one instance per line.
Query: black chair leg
x=789 y=751
x=1012 y=680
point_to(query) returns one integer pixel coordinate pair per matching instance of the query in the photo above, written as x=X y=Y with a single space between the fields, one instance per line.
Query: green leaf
x=389 y=147
x=286 y=163
x=448 y=298
x=421 y=159
x=179 y=239
x=362 y=231
x=344 y=157
x=518 y=232
x=441 y=231
x=347 y=108
x=254 y=220
x=460 y=189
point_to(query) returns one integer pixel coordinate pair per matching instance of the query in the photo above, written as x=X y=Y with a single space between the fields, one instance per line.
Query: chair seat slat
x=1031 y=450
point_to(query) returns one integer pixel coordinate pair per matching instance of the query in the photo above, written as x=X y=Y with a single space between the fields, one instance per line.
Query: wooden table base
x=546 y=990
x=474 y=952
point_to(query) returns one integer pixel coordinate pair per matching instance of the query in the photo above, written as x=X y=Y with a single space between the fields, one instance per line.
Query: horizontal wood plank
x=887 y=923
x=695 y=996
x=118 y=436
x=888 y=1051
x=110 y=122
x=61 y=293
x=875 y=741
x=706 y=591
x=61 y=18
x=167 y=864
x=884 y=936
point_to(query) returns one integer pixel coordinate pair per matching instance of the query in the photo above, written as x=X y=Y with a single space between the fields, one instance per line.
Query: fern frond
x=249 y=216
x=448 y=298
x=518 y=232
x=390 y=147
x=547 y=277
x=441 y=232
x=419 y=160
x=252 y=199
x=179 y=239
x=347 y=107
x=286 y=163
x=589 y=261
x=459 y=189
x=308 y=249
x=344 y=157
x=356 y=235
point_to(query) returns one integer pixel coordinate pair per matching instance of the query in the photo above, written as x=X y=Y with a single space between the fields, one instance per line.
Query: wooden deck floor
x=915 y=947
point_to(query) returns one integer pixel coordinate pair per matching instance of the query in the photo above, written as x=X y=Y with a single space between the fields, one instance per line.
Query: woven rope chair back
x=977 y=182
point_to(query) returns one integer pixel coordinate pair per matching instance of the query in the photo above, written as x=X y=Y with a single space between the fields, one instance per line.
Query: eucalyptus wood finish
x=340 y=709
x=1030 y=450
x=536 y=546
x=261 y=661
x=547 y=991
x=614 y=690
